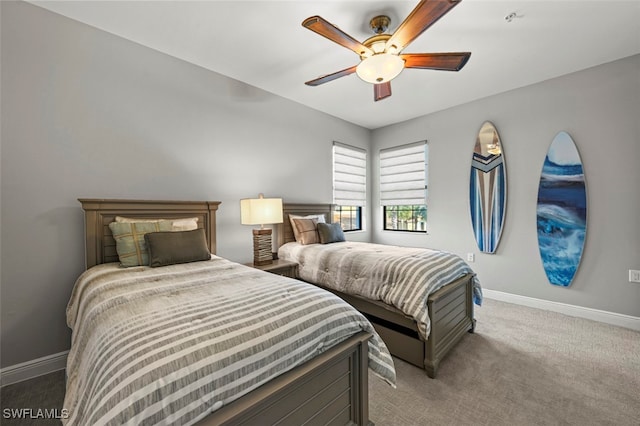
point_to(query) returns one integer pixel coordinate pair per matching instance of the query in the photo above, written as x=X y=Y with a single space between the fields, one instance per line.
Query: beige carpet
x=523 y=366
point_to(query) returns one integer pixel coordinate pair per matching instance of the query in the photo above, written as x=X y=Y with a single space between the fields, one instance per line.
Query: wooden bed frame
x=330 y=389
x=450 y=309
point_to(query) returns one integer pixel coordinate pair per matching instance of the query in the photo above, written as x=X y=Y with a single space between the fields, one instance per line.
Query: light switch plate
x=634 y=276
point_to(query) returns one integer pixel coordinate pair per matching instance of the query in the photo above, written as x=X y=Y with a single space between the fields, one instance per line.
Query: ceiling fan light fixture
x=380 y=68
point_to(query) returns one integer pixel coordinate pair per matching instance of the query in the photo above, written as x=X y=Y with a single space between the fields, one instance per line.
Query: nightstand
x=279 y=267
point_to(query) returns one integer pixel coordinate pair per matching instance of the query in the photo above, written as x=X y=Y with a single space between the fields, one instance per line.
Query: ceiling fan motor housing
x=376 y=43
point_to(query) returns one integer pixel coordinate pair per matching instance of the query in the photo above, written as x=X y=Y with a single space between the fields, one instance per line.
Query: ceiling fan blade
x=381 y=91
x=425 y=14
x=335 y=34
x=330 y=77
x=436 y=61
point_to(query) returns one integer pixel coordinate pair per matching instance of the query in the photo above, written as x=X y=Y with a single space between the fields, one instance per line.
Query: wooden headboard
x=285 y=233
x=100 y=247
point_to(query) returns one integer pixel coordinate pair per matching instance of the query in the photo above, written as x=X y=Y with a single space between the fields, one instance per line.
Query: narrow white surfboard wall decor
x=488 y=188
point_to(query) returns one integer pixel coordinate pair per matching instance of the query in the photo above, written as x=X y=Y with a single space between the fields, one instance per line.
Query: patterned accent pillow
x=307 y=231
x=318 y=217
x=130 y=244
x=330 y=233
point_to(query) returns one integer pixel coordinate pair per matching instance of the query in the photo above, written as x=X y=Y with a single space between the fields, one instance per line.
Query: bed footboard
x=332 y=387
x=451 y=314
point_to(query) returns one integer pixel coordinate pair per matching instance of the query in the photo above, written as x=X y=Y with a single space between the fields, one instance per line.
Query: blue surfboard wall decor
x=488 y=189
x=562 y=211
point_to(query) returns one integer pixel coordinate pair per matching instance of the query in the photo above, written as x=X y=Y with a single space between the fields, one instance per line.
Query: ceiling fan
x=381 y=55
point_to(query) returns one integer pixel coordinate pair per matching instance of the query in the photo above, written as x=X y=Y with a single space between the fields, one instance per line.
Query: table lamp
x=261 y=211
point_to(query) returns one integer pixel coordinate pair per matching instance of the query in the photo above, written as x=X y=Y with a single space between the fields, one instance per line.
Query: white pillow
x=318 y=217
x=186 y=224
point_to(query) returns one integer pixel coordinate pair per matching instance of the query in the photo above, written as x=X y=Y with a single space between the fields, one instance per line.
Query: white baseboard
x=612 y=318
x=34 y=368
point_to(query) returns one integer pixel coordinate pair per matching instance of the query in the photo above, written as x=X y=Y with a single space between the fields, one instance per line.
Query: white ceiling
x=263 y=44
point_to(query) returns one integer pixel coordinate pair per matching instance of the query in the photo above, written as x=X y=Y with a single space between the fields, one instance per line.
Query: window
x=348 y=217
x=412 y=218
x=403 y=187
x=349 y=185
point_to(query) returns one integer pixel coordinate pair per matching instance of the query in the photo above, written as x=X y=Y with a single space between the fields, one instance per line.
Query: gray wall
x=599 y=108
x=88 y=114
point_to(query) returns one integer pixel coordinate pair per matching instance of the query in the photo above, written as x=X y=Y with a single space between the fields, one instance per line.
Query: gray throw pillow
x=170 y=248
x=330 y=233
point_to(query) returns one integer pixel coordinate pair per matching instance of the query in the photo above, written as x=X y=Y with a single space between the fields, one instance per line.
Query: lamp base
x=262 y=247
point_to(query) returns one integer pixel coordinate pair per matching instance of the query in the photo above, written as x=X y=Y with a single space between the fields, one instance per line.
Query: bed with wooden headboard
x=333 y=385
x=450 y=308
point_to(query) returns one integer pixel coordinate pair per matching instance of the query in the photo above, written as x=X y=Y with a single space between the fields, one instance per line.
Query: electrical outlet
x=634 y=276
x=472 y=257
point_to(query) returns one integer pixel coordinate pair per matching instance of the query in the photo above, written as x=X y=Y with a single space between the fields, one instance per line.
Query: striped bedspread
x=170 y=345
x=402 y=277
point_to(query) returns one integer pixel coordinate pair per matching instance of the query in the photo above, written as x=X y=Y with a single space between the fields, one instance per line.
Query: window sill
x=406 y=232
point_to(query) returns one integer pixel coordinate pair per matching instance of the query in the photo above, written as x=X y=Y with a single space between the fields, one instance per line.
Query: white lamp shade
x=380 y=68
x=260 y=211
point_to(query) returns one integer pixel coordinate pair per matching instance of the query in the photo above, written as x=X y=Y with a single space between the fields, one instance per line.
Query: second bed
x=419 y=300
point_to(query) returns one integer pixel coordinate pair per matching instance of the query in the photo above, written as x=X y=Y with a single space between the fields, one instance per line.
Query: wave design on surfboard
x=561 y=211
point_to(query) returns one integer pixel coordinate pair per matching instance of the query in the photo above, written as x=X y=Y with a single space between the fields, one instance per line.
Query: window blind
x=349 y=175
x=403 y=175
